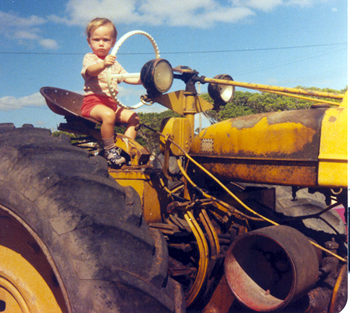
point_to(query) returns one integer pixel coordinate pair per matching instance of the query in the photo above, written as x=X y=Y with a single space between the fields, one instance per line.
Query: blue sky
x=276 y=42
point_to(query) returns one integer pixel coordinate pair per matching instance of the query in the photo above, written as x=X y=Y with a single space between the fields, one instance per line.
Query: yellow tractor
x=241 y=217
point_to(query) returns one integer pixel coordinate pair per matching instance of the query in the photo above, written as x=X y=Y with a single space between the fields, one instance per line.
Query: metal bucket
x=269 y=268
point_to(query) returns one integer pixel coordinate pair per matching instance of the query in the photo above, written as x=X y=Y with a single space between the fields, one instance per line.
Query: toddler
x=98 y=103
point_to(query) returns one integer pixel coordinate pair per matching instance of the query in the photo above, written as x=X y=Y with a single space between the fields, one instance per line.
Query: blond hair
x=97 y=22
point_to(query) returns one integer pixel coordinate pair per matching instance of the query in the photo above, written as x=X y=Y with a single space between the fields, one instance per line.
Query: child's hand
x=109 y=60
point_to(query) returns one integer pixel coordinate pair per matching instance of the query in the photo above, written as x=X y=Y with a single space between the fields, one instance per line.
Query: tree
x=246 y=103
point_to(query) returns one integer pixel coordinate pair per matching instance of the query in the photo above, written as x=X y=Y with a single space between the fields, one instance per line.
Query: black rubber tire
x=109 y=260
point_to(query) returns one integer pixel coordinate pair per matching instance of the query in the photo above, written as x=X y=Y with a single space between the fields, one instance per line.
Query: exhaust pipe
x=268 y=268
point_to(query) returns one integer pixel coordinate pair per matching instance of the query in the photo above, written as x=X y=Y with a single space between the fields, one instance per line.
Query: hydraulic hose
x=243 y=204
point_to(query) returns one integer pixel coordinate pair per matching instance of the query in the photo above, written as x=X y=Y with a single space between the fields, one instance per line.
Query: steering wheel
x=111 y=76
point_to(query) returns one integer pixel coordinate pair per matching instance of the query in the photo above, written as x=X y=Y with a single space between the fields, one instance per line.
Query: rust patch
x=262 y=171
x=309 y=118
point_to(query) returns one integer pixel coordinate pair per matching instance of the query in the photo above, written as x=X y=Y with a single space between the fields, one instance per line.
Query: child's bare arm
x=95 y=69
x=132 y=81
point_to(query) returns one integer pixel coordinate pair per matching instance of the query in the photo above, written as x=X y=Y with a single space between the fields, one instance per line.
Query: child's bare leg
x=107 y=116
x=134 y=121
x=131 y=119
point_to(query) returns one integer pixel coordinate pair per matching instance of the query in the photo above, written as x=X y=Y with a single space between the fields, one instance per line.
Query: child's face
x=101 y=40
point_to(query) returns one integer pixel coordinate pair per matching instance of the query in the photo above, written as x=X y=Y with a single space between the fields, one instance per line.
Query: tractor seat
x=64 y=102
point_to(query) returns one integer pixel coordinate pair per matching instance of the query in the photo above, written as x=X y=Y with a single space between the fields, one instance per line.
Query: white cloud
x=48 y=43
x=266 y=5
x=196 y=13
x=24 y=30
x=201 y=14
x=120 y=11
x=26 y=35
x=151 y=108
x=193 y=13
x=11 y=103
x=301 y=3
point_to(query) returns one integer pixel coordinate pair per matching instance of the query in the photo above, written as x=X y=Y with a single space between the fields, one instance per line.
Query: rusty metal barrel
x=268 y=268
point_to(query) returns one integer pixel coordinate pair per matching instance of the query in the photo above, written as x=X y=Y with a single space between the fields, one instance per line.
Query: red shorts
x=91 y=101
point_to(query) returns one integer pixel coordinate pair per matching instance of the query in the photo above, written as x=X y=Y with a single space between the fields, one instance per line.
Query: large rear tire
x=81 y=234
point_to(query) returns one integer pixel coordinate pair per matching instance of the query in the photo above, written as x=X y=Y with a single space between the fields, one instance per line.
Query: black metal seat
x=64 y=102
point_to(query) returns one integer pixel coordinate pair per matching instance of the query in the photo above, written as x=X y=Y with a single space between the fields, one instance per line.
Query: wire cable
x=243 y=204
x=182 y=52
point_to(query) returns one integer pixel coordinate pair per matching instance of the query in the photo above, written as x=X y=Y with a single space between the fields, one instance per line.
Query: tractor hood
x=277 y=148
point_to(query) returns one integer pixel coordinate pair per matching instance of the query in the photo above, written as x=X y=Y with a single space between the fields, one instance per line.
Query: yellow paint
x=333 y=157
x=261 y=139
x=14 y=301
x=180 y=130
x=138 y=154
x=148 y=187
x=22 y=288
x=176 y=101
x=27 y=281
x=203 y=258
x=281 y=174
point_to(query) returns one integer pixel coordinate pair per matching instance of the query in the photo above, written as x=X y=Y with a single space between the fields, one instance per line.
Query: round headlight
x=221 y=94
x=157 y=76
